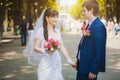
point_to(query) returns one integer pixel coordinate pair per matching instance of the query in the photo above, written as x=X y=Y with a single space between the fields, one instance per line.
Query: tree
x=52 y=4
x=16 y=11
x=112 y=10
x=2 y=12
x=102 y=4
x=35 y=7
x=115 y=10
x=29 y=8
x=76 y=10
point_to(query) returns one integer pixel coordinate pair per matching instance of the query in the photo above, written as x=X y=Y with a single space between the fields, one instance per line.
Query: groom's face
x=86 y=13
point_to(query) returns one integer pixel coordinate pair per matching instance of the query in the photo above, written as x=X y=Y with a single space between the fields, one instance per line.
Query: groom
x=92 y=47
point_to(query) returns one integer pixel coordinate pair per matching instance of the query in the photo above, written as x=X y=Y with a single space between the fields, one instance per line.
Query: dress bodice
x=40 y=34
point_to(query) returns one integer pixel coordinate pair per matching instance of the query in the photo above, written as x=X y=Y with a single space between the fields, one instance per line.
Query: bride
x=47 y=58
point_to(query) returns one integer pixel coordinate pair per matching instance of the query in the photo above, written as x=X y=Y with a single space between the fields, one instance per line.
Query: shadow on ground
x=14 y=66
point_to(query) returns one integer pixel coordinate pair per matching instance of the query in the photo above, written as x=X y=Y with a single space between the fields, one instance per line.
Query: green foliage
x=52 y=4
x=76 y=10
x=102 y=4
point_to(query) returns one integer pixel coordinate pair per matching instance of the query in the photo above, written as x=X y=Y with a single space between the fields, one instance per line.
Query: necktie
x=87 y=27
x=78 y=53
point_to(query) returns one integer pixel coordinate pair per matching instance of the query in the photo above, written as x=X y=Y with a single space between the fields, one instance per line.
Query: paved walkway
x=14 y=66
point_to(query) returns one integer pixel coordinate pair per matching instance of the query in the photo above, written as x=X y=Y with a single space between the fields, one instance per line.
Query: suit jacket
x=93 y=49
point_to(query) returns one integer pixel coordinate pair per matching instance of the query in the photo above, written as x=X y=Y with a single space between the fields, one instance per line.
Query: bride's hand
x=74 y=65
x=50 y=52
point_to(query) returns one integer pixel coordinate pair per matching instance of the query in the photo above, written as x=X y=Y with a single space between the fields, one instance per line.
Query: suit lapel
x=82 y=38
x=91 y=29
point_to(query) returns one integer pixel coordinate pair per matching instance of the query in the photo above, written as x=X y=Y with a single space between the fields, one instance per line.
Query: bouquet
x=52 y=45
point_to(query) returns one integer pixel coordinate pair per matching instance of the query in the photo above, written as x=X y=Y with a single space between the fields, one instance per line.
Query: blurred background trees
x=15 y=9
x=109 y=9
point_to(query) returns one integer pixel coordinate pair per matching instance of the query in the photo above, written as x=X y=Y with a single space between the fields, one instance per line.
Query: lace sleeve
x=39 y=33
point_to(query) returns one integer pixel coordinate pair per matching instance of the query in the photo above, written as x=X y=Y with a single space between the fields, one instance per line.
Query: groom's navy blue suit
x=92 y=51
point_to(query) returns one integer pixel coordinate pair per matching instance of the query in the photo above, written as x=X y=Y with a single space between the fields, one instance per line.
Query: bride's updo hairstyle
x=49 y=12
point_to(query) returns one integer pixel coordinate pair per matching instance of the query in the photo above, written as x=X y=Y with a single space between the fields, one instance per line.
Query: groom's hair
x=92 y=4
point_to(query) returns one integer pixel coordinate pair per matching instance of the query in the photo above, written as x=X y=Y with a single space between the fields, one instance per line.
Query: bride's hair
x=49 y=12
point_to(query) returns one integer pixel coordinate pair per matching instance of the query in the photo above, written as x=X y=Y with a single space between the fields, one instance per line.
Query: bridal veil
x=32 y=56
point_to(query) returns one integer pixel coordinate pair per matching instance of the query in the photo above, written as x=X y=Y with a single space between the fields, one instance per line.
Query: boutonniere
x=86 y=32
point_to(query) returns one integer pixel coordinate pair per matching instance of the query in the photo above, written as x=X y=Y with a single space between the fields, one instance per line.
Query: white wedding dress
x=50 y=66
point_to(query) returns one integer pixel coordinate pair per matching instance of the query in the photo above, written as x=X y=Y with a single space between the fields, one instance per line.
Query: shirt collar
x=92 y=21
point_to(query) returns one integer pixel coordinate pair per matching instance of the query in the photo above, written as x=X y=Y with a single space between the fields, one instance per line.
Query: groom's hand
x=74 y=65
x=92 y=76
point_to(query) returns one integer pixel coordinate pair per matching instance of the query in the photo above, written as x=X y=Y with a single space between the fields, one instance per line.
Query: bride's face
x=52 y=20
